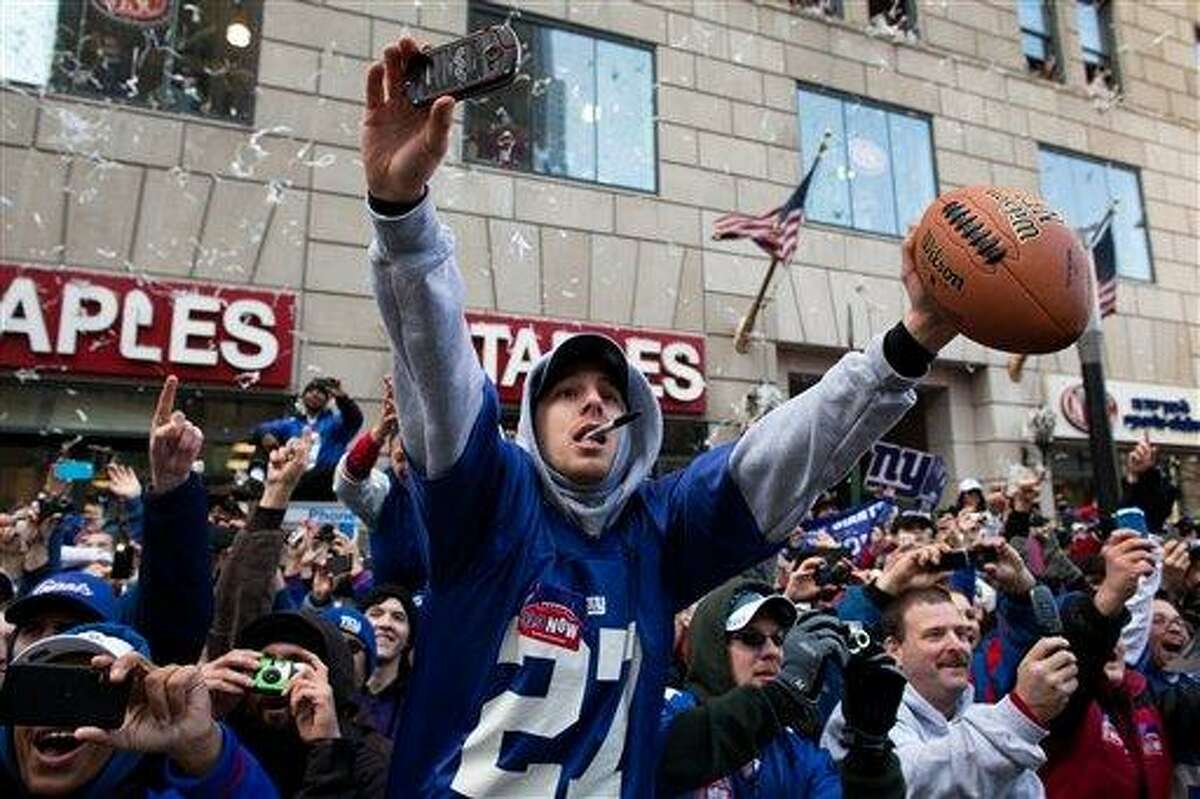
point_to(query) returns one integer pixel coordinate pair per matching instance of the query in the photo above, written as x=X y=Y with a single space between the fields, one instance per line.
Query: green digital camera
x=274 y=675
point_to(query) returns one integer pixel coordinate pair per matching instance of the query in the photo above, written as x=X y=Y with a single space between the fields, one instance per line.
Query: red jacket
x=1119 y=749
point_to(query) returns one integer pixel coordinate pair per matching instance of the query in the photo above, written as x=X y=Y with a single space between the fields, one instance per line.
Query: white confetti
x=83 y=417
x=27 y=375
x=245 y=380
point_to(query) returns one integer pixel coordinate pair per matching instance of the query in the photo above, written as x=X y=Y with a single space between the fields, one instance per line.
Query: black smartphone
x=122 y=565
x=61 y=695
x=981 y=556
x=339 y=565
x=954 y=560
x=482 y=62
x=325 y=534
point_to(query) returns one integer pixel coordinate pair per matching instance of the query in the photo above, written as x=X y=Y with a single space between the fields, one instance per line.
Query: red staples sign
x=673 y=363
x=96 y=323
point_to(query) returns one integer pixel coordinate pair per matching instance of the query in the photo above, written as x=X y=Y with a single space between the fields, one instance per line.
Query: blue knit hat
x=349 y=620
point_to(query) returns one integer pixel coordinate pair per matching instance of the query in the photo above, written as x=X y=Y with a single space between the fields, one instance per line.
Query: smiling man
x=556 y=563
x=947 y=744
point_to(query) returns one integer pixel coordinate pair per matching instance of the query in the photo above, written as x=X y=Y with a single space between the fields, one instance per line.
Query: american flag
x=775 y=232
x=1104 y=256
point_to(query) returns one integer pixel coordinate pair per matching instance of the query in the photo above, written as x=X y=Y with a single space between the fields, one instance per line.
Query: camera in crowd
x=833 y=571
x=274 y=675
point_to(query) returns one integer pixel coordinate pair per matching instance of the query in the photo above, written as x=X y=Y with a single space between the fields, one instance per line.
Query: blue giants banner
x=909 y=472
x=852 y=529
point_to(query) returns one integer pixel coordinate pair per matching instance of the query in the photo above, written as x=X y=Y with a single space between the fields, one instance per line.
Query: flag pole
x=1090 y=347
x=741 y=338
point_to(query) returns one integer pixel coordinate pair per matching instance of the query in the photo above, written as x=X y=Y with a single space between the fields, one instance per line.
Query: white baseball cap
x=89 y=642
x=747 y=603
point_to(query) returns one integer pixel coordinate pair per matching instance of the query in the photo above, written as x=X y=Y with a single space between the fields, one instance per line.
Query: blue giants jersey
x=543 y=652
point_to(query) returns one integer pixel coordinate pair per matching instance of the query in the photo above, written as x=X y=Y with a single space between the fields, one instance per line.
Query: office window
x=877 y=174
x=897 y=16
x=1038 y=39
x=1094 y=18
x=1083 y=188
x=196 y=58
x=583 y=107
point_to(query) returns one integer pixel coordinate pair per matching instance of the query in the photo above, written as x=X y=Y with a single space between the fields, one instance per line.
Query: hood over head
x=594 y=507
x=708 y=672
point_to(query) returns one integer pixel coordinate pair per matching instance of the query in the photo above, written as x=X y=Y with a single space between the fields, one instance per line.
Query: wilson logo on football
x=550 y=622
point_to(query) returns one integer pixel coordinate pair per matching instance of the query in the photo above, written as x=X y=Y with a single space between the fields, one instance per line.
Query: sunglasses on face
x=756 y=640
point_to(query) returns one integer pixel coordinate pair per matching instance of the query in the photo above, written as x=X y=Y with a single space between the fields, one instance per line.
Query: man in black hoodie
x=306 y=738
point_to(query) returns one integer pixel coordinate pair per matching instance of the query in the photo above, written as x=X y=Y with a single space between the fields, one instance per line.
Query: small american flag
x=777 y=231
x=1104 y=256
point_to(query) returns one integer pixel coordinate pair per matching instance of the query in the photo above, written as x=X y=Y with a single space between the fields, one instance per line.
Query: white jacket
x=983 y=752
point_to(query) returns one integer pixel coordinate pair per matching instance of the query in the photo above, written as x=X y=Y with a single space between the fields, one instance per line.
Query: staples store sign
x=509 y=346
x=91 y=323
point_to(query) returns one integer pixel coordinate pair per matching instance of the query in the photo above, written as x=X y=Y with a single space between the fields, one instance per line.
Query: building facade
x=210 y=149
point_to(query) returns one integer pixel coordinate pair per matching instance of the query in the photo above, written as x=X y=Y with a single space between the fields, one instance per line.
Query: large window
x=582 y=108
x=193 y=57
x=1084 y=188
x=1038 y=39
x=878 y=172
x=1094 y=18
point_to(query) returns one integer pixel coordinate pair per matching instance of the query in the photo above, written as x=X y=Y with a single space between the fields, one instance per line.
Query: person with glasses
x=744 y=721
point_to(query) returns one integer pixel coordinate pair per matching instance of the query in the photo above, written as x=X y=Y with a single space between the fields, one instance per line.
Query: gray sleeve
x=989 y=750
x=364 y=498
x=438 y=380
x=806 y=445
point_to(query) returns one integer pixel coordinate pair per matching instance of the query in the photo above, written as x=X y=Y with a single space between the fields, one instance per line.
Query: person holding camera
x=334 y=426
x=948 y=744
x=1118 y=736
x=167 y=745
x=287 y=690
x=745 y=721
x=557 y=556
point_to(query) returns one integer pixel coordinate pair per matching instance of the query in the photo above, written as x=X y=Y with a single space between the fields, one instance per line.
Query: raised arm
x=173 y=600
x=416 y=280
x=811 y=441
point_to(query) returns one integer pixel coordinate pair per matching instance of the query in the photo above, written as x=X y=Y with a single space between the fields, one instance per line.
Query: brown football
x=1006 y=268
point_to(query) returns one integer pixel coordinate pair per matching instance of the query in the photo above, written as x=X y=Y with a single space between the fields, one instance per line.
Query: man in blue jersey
x=556 y=563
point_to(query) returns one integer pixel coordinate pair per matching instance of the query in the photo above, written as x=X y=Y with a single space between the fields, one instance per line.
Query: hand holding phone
x=481 y=62
x=61 y=695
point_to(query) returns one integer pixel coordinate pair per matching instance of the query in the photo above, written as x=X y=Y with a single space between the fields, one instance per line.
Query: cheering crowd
x=538 y=615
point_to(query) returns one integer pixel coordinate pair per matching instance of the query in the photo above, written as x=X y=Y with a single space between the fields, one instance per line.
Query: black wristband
x=905 y=353
x=391 y=209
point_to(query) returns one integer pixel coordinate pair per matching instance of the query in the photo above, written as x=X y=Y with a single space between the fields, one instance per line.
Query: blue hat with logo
x=349 y=620
x=73 y=592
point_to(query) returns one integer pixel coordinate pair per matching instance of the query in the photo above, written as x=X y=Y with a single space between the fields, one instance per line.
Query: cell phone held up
x=61 y=695
x=482 y=62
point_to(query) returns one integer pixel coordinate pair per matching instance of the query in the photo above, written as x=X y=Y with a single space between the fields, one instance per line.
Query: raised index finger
x=166 y=401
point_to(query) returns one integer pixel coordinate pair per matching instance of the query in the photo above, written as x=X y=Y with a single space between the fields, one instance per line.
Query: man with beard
x=947 y=744
x=393 y=615
x=305 y=737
